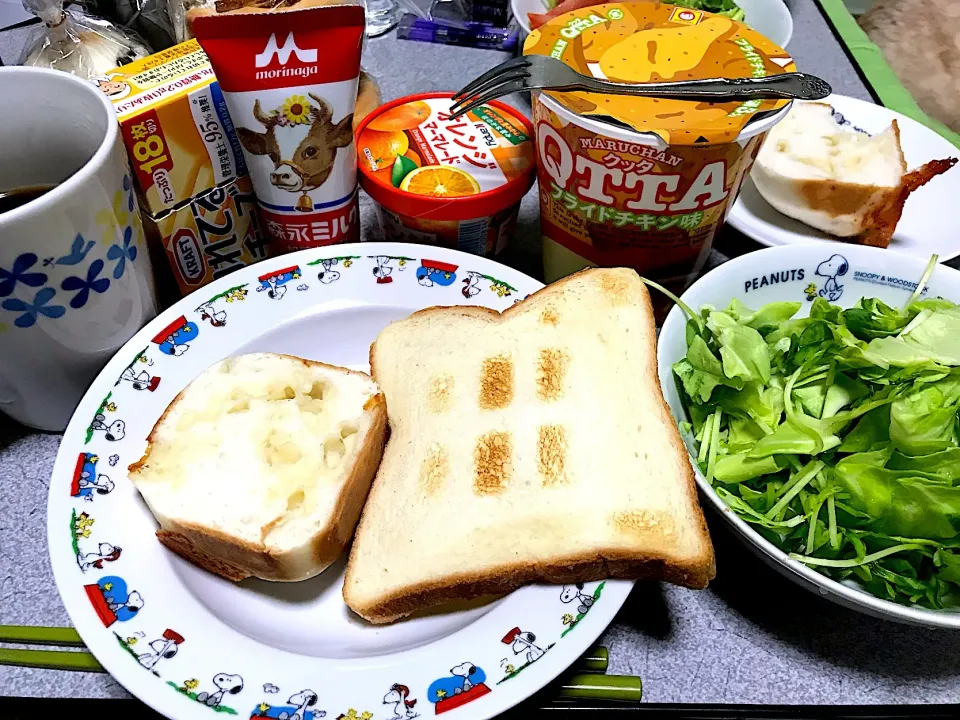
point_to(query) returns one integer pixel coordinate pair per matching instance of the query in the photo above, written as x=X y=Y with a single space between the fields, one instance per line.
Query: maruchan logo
x=187 y=251
x=281 y=54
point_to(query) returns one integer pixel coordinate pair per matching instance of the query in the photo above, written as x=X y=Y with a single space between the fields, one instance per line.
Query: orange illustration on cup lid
x=412 y=154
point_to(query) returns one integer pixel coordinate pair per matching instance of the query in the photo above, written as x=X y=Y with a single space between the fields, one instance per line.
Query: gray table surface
x=753 y=637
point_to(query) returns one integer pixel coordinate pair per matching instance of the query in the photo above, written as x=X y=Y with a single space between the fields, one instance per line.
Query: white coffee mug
x=75 y=276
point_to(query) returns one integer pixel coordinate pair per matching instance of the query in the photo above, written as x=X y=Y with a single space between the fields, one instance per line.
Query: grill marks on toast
x=549 y=316
x=643 y=523
x=496 y=383
x=615 y=288
x=552 y=454
x=440 y=395
x=434 y=469
x=493 y=458
x=551 y=369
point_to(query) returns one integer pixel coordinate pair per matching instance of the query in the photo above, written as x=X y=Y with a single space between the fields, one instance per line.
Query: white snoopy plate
x=191 y=644
x=926 y=226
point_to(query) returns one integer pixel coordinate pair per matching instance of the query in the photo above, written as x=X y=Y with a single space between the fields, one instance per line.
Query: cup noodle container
x=642 y=182
x=436 y=181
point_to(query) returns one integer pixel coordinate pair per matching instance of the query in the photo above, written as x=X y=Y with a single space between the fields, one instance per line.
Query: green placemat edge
x=879 y=74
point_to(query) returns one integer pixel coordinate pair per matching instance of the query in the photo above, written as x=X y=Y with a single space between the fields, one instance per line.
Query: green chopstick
x=47 y=659
x=584 y=685
x=51 y=659
x=590 y=686
x=594 y=660
x=37 y=635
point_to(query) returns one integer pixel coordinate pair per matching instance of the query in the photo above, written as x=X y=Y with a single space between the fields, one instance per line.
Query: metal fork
x=539 y=72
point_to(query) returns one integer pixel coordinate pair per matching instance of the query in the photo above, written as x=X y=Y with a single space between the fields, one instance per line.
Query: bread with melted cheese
x=261 y=465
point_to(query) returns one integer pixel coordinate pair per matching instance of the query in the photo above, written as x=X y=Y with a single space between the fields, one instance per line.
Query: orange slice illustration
x=440 y=182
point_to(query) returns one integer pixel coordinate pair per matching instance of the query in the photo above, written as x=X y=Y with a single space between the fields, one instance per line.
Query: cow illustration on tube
x=291 y=89
x=302 y=141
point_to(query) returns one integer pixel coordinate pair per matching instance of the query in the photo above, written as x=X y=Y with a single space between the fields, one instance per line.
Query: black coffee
x=12 y=199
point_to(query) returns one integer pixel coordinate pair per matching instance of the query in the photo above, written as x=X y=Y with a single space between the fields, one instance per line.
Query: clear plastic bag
x=177 y=10
x=369 y=97
x=78 y=43
x=147 y=18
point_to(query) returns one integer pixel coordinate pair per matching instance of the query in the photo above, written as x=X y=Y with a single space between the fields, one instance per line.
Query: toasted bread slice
x=260 y=467
x=529 y=446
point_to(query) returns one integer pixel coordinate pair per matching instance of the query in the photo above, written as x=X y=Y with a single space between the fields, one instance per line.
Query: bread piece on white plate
x=821 y=170
x=532 y=446
x=261 y=465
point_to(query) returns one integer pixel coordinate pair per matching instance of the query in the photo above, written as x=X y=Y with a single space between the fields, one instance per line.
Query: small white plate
x=926 y=226
x=770 y=18
x=174 y=635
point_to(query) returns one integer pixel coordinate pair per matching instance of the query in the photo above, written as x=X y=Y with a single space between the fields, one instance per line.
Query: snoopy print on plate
x=193 y=645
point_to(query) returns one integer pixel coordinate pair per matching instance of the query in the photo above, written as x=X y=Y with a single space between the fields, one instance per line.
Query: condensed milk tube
x=290 y=82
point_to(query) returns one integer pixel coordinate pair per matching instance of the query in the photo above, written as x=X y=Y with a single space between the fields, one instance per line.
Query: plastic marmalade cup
x=643 y=182
x=436 y=181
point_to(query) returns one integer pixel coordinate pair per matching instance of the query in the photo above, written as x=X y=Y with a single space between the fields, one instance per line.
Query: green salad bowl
x=829 y=445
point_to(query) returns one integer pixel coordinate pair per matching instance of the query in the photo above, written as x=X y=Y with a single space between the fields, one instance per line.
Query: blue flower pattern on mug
x=78 y=252
x=122 y=254
x=84 y=286
x=19 y=274
x=39 y=306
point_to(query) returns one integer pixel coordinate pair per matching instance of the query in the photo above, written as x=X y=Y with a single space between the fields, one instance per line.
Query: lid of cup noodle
x=411 y=155
x=655 y=42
